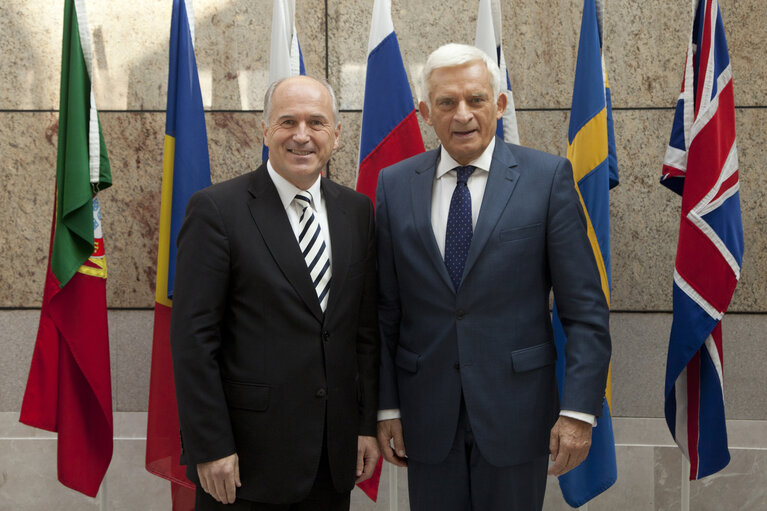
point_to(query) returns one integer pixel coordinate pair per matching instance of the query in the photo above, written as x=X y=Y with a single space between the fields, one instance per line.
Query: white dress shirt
x=445 y=180
x=288 y=191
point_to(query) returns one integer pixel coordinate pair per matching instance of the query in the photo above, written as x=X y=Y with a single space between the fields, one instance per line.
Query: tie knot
x=464 y=173
x=303 y=199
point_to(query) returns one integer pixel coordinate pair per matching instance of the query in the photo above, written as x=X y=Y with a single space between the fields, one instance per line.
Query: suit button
x=457 y=366
x=460 y=314
x=326 y=336
x=321 y=392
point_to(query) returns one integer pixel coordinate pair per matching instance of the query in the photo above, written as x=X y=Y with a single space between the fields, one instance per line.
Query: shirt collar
x=447 y=163
x=287 y=190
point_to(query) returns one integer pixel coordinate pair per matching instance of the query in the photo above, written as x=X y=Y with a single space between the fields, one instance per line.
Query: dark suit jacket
x=259 y=370
x=492 y=340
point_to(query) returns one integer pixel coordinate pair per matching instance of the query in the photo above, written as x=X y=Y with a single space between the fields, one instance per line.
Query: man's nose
x=302 y=132
x=462 y=112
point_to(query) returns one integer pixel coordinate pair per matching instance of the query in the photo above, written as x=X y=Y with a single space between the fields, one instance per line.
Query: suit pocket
x=533 y=357
x=247 y=396
x=521 y=233
x=407 y=360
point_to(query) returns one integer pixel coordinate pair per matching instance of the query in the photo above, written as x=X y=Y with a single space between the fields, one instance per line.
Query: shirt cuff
x=385 y=415
x=585 y=417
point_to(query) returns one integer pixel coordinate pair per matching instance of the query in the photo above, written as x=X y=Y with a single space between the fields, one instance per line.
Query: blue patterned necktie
x=459 y=230
x=313 y=247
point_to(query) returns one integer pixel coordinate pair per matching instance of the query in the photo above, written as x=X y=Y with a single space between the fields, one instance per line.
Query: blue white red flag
x=489 y=40
x=701 y=165
x=390 y=131
x=591 y=150
x=285 y=57
x=186 y=169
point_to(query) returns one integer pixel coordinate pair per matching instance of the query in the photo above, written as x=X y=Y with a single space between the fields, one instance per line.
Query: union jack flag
x=701 y=165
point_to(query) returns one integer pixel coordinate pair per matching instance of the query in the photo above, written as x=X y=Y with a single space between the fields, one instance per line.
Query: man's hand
x=367 y=457
x=390 y=431
x=219 y=478
x=569 y=444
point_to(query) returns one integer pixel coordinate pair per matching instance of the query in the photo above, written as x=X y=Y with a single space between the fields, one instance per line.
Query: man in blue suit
x=472 y=238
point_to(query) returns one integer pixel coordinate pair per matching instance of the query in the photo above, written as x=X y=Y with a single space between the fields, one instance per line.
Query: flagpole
x=103 y=496
x=393 y=501
x=685 y=500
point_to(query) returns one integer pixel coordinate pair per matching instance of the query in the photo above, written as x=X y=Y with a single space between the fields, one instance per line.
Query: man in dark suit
x=274 y=327
x=472 y=237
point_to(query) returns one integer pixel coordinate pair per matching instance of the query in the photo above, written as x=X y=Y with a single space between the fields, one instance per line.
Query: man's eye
x=288 y=122
x=477 y=100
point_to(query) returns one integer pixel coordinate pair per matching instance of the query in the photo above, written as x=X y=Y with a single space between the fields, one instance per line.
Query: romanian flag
x=186 y=169
x=285 y=58
x=390 y=131
x=69 y=388
x=489 y=39
x=591 y=150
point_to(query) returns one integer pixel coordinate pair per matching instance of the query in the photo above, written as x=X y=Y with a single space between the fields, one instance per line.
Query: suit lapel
x=501 y=182
x=421 y=189
x=272 y=221
x=338 y=223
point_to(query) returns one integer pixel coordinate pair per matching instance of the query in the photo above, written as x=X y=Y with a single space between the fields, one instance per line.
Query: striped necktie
x=312 y=246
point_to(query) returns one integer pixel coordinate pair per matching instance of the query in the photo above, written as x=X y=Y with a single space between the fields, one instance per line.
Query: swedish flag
x=591 y=150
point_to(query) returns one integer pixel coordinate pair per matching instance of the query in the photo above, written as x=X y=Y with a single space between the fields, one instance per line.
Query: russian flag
x=285 y=57
x=390 y=131
x=186 y=169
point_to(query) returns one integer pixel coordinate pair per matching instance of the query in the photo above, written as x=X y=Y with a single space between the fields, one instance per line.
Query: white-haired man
x=472 y=238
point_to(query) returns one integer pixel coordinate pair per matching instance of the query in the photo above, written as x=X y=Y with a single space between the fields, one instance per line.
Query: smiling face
x=462 y=109
x=301 y=134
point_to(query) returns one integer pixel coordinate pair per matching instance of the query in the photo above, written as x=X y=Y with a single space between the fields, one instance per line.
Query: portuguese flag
x=69 y=389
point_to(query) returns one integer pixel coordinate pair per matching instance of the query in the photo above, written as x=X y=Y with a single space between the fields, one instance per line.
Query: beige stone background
x=645 y=44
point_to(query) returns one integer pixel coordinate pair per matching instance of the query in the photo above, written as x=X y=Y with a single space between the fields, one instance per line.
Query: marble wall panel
x=18 y=330
x=130 y=334
x=28 y=167
x=745 y=37
x=645 y=215
x=131 y=52
x=640 y=342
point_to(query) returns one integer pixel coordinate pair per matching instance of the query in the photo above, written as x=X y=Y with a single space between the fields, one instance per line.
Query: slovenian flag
x=186 y=169
x=390 y=131
x=591 y=150
x=489 y=40
x=285 y=57
x=69 y=387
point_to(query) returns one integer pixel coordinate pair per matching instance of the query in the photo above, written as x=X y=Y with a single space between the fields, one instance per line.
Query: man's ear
x=338 y=134
x=424 y=109
x=502 y=102
x=263 y=132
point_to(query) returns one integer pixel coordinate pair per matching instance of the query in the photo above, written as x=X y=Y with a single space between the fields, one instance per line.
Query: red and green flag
x=69 y=387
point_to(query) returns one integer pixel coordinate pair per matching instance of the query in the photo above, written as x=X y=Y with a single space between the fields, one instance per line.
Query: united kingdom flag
x=701 y=165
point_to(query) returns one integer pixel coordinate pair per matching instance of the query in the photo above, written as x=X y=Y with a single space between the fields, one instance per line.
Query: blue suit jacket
x=492 y=339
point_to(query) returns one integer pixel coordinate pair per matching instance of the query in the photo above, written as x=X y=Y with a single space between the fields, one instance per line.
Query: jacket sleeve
x=580 y=300
x=368 y=349
x=388 y=301
x=199 y=299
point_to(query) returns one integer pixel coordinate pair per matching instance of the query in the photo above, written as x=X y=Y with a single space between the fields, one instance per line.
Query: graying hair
x=453 y=54
x=270 y=92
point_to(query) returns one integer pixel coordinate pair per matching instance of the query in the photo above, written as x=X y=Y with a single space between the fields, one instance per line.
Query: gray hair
x=453 y=54
x=270 y=92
